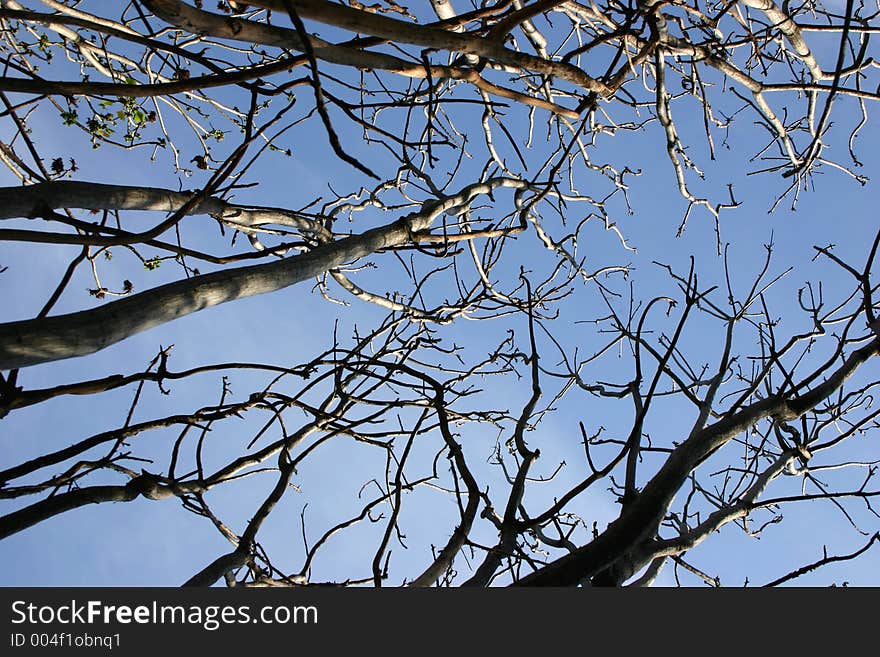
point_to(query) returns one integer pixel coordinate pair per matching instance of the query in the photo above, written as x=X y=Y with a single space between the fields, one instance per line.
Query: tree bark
x=34 y=341
x=641 y=521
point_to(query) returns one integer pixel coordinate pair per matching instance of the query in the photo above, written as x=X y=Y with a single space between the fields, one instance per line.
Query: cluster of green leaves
x=102 y=125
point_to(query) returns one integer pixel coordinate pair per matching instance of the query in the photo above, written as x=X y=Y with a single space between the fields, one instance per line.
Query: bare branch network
x=510 y=393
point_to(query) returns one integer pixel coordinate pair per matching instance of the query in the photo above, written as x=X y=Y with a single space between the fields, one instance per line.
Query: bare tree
x=484 y=166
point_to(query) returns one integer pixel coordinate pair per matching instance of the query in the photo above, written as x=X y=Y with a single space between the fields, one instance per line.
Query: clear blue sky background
x=150 y=543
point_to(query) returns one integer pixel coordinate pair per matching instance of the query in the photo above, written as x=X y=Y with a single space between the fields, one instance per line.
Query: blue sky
x=158 y=543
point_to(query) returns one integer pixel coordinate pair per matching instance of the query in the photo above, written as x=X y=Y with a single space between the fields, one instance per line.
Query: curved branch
x=644 y=516
x=34 y=341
